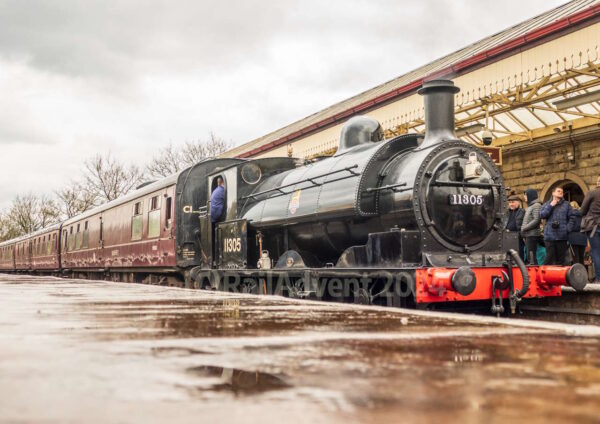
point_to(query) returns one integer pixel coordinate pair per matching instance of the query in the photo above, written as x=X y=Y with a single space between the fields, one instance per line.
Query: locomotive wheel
x=363 y=297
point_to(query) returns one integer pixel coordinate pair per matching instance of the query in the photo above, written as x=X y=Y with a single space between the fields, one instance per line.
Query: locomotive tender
x=412 y=221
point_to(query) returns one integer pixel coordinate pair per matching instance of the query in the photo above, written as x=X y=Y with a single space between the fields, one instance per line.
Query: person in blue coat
x=217 y=202
x=557 y=212
x=577 y=240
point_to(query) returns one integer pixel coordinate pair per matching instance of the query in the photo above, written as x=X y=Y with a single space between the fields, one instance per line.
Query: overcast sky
x=84 y=77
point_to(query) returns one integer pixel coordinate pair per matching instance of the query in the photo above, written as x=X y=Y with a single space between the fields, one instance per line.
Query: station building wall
x=573 y=164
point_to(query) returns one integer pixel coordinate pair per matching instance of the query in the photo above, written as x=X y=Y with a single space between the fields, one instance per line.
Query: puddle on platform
x=237 y=381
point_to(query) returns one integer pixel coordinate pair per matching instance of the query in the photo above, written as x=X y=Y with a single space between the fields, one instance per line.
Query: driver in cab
x=217 y=202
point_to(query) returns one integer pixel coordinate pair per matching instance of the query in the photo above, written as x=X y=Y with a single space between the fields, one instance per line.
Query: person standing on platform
x=515 y=220
x=578 y=241
x=557 y=212
x=530 y=229
x=590 y=210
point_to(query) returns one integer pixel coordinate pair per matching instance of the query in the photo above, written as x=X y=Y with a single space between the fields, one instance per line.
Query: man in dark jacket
x=515 y=220
x=531 y=225
x=577 y=240
x=590 y=224
x=557 y=213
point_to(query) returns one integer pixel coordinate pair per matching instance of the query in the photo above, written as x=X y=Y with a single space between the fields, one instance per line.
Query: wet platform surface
x=83 y=351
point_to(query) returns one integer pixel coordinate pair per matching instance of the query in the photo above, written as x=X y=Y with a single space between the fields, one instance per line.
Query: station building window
x=137 y=222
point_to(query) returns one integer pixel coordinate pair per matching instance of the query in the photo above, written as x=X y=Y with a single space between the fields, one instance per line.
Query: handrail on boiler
x=311 y=180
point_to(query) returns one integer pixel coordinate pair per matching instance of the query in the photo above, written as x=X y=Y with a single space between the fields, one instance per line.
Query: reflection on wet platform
x=96 y=351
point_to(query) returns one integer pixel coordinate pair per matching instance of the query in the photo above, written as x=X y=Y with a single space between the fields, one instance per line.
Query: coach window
x=137 y=222
x=78 y=237
x=86 y=236
x=64 y=241
x=168 y=212
x=71 y=239
x=154 y=217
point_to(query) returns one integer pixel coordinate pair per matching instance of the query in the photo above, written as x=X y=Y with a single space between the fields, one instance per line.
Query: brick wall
x=539 y=165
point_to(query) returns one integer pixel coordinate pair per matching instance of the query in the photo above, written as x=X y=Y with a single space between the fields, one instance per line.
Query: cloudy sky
x=84 y=77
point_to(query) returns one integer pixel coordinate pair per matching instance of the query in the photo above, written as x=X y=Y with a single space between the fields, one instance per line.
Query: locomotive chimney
x=439 y=110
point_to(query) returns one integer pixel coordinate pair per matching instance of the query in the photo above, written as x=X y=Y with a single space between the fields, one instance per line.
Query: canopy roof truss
x=525 y=110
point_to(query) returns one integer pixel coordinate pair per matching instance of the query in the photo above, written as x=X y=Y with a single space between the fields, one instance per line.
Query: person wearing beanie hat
x=590 y=222
x=515 y=220
x=530 y=229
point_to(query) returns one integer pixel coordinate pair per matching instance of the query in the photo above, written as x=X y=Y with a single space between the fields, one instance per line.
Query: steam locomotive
x=410 y=221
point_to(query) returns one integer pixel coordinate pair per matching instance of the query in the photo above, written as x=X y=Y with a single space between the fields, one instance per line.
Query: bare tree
x=75 y=198
x=7 y=228
x=168 y=161
x=172 y=159
x=109 y=179
x=29 y=213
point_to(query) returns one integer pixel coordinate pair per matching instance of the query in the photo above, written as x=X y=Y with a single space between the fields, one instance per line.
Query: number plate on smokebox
x=466 y=199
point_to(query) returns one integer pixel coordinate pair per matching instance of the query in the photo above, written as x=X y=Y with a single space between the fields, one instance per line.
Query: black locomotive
x=429 y=209
x=411 y=221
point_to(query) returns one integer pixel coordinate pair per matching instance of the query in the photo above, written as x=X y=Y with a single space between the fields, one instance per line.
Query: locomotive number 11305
x=466 y=199
x=232 y=244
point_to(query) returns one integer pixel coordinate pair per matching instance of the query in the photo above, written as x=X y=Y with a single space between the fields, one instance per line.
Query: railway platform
x=93 y=351
x=574 y=307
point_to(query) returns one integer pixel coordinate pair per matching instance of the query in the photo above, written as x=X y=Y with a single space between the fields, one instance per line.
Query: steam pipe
x=515 y=257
